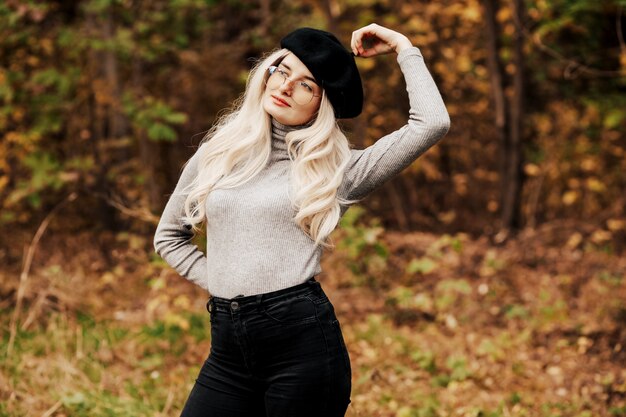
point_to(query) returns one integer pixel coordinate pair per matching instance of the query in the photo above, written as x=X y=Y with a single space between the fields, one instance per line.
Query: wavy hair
x=238 y=146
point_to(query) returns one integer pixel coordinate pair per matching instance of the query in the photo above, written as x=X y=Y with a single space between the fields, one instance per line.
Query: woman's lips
x=280 y=102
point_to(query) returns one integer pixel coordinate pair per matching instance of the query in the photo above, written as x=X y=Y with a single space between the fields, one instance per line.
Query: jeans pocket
x=297 y=310
x=214 y=310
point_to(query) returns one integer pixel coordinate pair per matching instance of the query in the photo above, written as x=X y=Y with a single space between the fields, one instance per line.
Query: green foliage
x=422 y=265
x=491 y=348
x=458 y=368
x=496 y=413
x=429 y=406
x=153 y=116
x=450 y=291
x=512 y=311
x=103 y=403
x=82 y=76
x=374 y=328
x=446 y=241
x=611 y=279
x=435 y=251
x=359 y=237
x=45 y=174
x=425 y=359
x=618 y=411
x=365 y=252
x=91 y=349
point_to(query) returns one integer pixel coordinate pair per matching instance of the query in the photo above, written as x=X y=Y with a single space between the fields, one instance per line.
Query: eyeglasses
x=302 y=93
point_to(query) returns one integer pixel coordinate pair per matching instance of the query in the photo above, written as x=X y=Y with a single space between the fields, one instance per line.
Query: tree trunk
x=411 y=188
x=117 y=124
x=495 y=69
x=397 y=204
x=508 y=117
x=266 y=18
x=105 y=214
x=511 y=210
x=332 y=11
x=148 y=150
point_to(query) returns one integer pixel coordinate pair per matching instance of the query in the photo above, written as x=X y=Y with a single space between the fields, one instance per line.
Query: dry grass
x=440 y=326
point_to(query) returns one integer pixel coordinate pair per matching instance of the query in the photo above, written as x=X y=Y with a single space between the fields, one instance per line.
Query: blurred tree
x=108 y=98
x=508 y=112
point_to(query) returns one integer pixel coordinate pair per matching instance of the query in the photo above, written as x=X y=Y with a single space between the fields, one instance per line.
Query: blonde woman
x=270 y=182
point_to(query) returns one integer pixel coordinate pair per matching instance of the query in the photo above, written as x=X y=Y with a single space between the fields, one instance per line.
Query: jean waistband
x=241 y=301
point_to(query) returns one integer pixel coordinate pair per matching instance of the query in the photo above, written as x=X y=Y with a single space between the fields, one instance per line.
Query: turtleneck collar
x=279 y=131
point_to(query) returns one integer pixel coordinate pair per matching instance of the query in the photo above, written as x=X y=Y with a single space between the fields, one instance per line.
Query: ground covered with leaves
x=436 y=325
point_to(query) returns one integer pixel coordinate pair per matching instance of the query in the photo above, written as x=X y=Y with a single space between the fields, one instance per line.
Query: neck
x=279 y=131
x=276 y=125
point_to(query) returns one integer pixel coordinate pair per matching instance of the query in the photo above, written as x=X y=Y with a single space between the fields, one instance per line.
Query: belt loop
x=259 y=298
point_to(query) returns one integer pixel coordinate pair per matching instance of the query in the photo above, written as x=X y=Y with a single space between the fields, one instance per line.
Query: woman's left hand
x=378 y=40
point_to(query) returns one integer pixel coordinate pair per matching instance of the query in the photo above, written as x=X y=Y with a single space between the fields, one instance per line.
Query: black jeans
x=278 y=354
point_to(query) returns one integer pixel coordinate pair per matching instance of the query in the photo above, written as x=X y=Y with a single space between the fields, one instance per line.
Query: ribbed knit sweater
x=253 y=244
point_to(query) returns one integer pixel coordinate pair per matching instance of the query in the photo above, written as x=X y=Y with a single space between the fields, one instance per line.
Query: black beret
x=332 y=66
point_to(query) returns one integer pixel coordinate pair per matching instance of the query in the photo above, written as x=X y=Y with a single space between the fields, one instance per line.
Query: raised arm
x=172 y=239
x=428 y=122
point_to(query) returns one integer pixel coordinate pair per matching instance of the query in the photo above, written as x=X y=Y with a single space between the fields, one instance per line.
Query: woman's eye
x=283 y=73
x=305 y=85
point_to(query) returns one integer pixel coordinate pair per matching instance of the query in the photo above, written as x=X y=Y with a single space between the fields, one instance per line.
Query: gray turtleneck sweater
x=253 y=244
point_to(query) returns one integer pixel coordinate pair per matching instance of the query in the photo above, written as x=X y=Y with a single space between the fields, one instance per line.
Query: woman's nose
x=285 y=86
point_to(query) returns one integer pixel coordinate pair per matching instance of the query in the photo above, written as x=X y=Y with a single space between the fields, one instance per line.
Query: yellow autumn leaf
x=600 y=236
x=447 y=217
x=33 y=60
x=472 y=13
x=4 y=180
x=448 y=52
x=503 y=14
x=176 y=320
x=616 y=224
x=532 y=170
x=13 y=137
x=182 y=301
x=543 y=124
x=589 y=164
x=595 y=185
x=153 y=304
x=574 y=240
x=366 y=64
x=570 y=197
x=107 y=278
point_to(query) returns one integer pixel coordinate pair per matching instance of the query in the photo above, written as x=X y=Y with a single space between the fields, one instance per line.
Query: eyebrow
x=306 y=76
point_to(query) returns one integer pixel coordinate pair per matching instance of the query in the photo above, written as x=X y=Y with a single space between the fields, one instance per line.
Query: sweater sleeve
x=172 y=239
x=428 y=122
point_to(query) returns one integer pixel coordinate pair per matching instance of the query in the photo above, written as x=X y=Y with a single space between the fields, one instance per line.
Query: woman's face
x=287 y=101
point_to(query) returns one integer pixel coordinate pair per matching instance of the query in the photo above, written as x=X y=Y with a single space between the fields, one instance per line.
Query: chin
x=289 y=121
x=283 y=116
x=286 y=120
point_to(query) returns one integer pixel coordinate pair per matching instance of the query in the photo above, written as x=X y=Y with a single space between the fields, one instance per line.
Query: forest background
x=487 y=279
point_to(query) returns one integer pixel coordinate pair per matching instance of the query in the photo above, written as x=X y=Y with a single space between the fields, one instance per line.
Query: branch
x=573 y=67
x=30 y=253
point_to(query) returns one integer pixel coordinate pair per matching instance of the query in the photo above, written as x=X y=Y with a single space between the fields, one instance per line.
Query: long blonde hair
x=238 y=146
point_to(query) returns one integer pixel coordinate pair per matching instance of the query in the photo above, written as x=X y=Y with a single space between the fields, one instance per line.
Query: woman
x=270 y=182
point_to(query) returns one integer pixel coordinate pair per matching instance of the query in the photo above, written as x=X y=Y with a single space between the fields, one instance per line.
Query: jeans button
x=234 y=305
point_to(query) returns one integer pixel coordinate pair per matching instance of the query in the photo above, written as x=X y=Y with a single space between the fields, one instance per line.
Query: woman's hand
x=373 y=39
